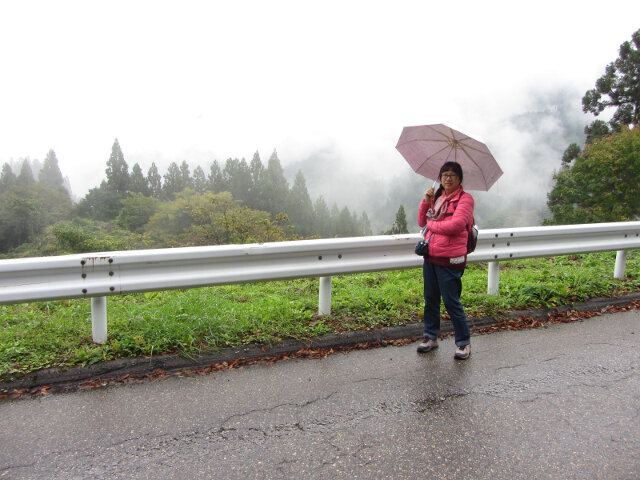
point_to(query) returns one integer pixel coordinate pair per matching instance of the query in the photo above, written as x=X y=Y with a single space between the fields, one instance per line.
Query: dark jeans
x=446 y=283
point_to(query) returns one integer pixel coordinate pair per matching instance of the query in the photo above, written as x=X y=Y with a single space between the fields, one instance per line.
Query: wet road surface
x=559 y=402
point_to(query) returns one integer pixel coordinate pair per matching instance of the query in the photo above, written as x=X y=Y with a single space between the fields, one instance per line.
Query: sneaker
x=463 y=352
x=427 y=345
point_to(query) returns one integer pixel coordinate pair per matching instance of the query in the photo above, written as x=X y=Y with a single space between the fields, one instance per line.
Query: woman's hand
x=429 y=194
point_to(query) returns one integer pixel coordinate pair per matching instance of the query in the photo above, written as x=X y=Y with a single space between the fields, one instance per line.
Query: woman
x=447 y=214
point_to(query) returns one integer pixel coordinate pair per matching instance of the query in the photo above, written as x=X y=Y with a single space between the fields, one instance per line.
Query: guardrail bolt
x=84 y=275
x=111 y=260
x=84 y=290
x=111 y=274
x=320 y=257
x=112 y=288
x=340 y=256
x=82 y=262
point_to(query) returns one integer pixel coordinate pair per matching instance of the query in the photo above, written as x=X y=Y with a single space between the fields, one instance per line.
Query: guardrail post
x=99 y=319
x=324 y=300
x=493 y=285
x=621 y=264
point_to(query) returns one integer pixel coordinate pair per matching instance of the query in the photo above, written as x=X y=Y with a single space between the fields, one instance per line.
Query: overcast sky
x=204 y=80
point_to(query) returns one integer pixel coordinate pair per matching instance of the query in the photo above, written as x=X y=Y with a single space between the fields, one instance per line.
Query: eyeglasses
x=449 y=175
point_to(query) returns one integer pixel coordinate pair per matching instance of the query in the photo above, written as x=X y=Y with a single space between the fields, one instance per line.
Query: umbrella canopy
x=428 y=147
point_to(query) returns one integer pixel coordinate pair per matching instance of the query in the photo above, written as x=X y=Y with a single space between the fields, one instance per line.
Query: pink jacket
x=448 y=235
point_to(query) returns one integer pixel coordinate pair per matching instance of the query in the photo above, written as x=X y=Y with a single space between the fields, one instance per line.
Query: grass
x=187 y=322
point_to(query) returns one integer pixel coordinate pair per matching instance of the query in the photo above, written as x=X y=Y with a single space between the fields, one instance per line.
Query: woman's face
x=450 y=181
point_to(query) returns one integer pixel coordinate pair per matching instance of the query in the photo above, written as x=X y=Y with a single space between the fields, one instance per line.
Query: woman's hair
x=456 y=167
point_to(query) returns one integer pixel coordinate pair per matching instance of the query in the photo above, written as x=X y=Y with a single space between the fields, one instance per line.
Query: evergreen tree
x=26 y=175
x=173 y=181
x=570 y=154
x=322 y=218
x=346 y=224
x=117 y=171
x=154 y=181
x=335 y=220
x=7 y=178
x=365 y=225
x=596 y=130
x=300 y=208
x=138 y=183
x=186 y=175
x=237 y=176
x=216 y=179
x=400 y=224
x=199 y=180
x=254 y=198
x=276 y=187
x=619 y=87
x=50 y=174
x=25 y=210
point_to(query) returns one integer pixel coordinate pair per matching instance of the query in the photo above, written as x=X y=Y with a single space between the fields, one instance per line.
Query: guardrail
x=97 y=275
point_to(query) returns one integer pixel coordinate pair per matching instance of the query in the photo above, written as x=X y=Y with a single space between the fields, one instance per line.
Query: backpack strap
x=455 y=205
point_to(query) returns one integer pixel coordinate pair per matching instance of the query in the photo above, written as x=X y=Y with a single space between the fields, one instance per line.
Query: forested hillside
x=234 y=202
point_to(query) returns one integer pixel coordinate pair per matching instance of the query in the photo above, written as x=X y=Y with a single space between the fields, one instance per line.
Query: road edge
x=141 y=366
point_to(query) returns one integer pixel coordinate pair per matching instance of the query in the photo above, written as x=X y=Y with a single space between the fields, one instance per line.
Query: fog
x=528 y=145
x=328 y=85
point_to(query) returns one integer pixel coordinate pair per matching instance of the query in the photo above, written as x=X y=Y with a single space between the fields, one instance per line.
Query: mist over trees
x=234 y=202
x=28 y=205
x=601 y=181
x=250 y=201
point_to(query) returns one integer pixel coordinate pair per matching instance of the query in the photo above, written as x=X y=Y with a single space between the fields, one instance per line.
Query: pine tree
x=365 y=224
x=346 y=225
x=300 y=208
x=26 y=175
x=238 y=177
x=154 y=180
x=172 y=181
x=619 y=87
x=199 y=180
x=399 y=225
x=7 y=178
x=257 y=181
x=50 y=174
x=322 y=218
x=216 y=179
x=186 y=175
x=276 y=187
x=138 y=181
x=117 y=171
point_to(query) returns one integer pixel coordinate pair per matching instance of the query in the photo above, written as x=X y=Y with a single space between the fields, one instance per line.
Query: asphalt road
x=560 y=402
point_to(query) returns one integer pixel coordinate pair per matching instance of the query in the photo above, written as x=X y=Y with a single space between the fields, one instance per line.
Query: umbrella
x=428 y=147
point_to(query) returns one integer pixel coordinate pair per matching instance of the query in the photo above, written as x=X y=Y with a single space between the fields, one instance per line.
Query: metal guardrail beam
x=114 y=273
x=97 y=275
